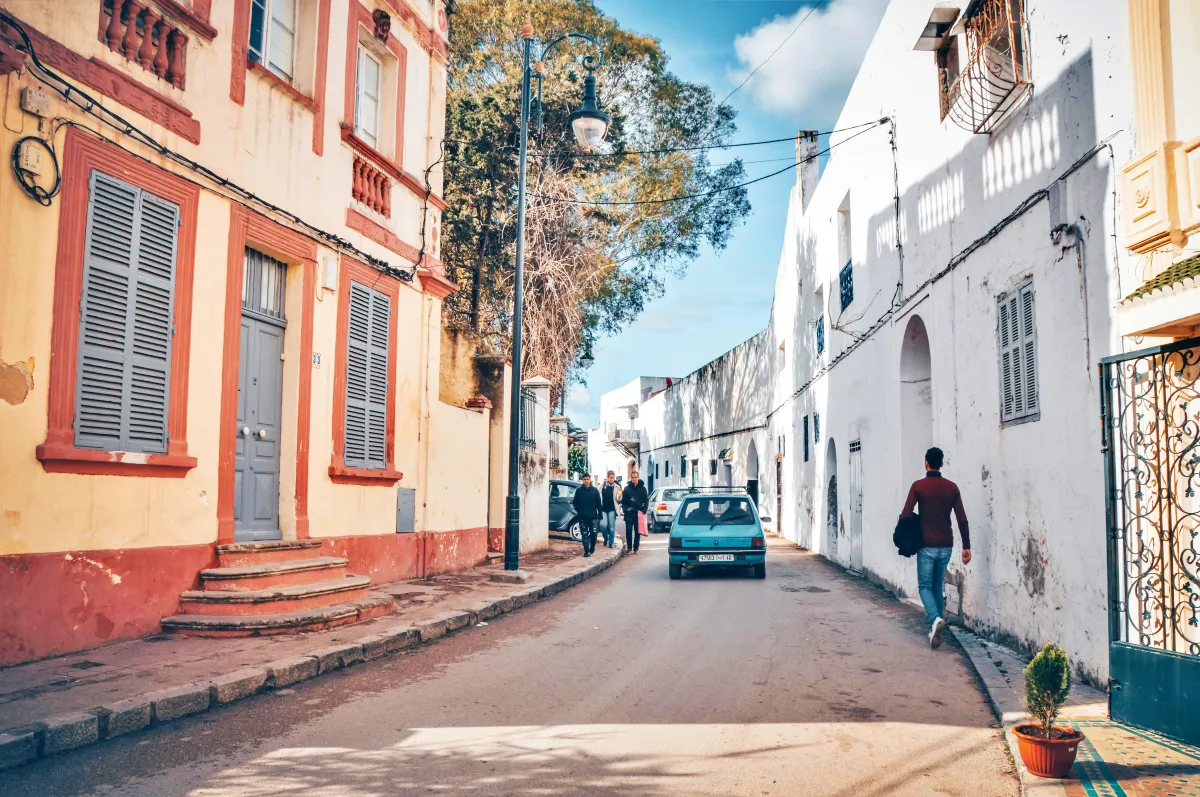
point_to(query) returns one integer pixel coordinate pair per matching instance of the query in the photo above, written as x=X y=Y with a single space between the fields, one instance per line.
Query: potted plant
x=1046 y=749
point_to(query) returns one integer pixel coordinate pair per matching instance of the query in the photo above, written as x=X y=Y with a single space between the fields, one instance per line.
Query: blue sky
x=725 y=297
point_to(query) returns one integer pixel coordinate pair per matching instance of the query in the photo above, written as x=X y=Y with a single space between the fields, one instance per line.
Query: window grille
x=846 y=282
x=806 y=438
x=1017 y=344
x=816 y=428
x=821 y=334
x=855 y=446
x=528 y=439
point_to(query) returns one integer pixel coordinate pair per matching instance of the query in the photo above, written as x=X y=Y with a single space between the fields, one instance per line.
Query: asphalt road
x=808 y=683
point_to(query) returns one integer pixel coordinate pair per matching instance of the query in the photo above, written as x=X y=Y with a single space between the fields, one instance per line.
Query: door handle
x=245 y=431
x=262 y=434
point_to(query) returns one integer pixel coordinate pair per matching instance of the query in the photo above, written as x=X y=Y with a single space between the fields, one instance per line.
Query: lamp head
x=589 y=123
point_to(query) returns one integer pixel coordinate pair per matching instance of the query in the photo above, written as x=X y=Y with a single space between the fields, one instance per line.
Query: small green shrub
x=1047 y=683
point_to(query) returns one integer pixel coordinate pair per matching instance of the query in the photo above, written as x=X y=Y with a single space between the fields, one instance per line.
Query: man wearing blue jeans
x=936 y=497
x=611 y=496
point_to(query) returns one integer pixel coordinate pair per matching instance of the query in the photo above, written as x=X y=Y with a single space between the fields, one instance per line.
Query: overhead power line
x=715 y=191
x=786 y=39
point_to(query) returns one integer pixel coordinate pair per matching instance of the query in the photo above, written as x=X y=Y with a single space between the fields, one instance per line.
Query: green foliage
x=627 y=250
x=577 y=461
x=1047 y=683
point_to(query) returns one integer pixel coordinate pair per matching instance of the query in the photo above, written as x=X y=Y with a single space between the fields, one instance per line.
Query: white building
x=616 y=444
x=951 y=279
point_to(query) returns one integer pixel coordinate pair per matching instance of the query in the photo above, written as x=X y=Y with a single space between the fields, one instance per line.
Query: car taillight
x=758 y=542
x=676 y=542
x=661 y=508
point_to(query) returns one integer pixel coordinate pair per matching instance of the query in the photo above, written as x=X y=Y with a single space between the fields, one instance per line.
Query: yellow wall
x=266 y=146
x=457 y=493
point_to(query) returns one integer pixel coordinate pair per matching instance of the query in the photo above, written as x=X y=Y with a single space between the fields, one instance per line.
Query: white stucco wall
x=974 y=222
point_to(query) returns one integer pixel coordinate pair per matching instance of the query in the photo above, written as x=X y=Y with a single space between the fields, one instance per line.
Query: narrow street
x=809 y=683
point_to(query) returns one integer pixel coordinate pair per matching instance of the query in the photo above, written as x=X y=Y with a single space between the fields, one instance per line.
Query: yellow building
x=220 y=304
x=1161 y=187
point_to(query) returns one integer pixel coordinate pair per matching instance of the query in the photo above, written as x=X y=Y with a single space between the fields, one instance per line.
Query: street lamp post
x=589 y=124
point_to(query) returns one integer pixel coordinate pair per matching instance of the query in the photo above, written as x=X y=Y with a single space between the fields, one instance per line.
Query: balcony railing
x=996 y=74
x=625 y=436
x=142 y=33
x=372 y=187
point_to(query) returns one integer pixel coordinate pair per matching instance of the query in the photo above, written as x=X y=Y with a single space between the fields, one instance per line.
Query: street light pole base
x=512 y=533
x=511 y=576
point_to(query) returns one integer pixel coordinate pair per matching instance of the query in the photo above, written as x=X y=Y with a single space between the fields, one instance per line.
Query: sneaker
x=935 y=634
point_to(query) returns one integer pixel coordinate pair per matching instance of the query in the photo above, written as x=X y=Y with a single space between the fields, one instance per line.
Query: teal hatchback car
x=722 y=530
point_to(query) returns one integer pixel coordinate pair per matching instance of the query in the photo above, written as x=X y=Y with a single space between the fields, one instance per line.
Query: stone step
x=280 y=600
x=239 y=554
x=266 y=575
x=374 y=605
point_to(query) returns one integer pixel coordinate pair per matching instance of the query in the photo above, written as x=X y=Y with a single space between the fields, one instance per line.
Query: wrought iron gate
x=1150 y=405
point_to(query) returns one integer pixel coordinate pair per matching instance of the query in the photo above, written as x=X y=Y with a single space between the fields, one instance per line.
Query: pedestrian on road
x=611 y=495
x=936 y=496
x=587 y=504
x=634 y=499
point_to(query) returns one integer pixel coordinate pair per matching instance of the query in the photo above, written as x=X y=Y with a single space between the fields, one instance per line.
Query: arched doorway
x=916 y=399
x=752 y=472
x=832 y=516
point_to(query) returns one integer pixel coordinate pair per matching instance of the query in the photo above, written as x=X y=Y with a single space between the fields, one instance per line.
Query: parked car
x=717 y=530
x=562 y=512
x=663 y=503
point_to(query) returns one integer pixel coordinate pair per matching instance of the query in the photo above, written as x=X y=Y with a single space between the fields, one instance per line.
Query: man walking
x=610 y=495
x=634 y=499
x=936 y=497
x=587 y=510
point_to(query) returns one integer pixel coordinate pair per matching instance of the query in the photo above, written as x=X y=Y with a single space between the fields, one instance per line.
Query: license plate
x=715 y=557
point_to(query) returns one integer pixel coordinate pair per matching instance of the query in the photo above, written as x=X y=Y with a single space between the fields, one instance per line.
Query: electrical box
x=329 y=274
x=30 y=159
x=406 y=510
x=1056 y=198
x=35 y=101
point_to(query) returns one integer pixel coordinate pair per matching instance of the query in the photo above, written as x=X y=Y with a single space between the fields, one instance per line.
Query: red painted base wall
x=54 y=603
x=495 y=540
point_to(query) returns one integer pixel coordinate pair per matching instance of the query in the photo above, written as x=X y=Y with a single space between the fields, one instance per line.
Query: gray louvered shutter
x=367 y=378
x=1006 y=334
x=126 y=310
x=1029 y=351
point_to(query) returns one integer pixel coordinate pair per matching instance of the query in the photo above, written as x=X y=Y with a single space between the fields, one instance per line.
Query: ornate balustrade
x=372 y=187
x=145 y=35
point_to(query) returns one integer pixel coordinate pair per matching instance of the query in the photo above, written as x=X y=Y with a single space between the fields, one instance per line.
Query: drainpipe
x=1070 y=236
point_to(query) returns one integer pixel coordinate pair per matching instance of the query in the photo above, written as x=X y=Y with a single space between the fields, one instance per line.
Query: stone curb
x=1006 y=705
x=28 y=743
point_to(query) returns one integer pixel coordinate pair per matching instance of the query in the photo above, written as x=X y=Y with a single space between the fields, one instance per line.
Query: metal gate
x=856 y=506
x=1150 y=405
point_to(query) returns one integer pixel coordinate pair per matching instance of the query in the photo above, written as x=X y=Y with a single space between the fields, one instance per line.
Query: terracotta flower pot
x=1047 y=758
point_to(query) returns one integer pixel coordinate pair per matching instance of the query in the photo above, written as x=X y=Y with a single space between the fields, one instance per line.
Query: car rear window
x=674 y=495
x=706 y=511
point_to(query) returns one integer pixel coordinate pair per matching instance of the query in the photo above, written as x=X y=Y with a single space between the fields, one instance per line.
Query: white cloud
x=579 y=397
x=815 y=68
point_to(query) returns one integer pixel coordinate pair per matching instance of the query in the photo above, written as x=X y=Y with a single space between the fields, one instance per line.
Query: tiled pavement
x=75 y=685
x=1115 y=760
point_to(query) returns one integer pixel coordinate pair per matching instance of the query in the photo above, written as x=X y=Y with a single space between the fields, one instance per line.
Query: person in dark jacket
x=610 y=495
x=587 y=504
x=633 y=500
x=937 y=497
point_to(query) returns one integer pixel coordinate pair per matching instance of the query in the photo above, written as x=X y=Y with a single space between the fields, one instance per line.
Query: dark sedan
x=562 y=513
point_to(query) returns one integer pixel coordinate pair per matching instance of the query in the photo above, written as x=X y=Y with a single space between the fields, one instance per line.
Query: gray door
x=856 y=505
x=260 y=401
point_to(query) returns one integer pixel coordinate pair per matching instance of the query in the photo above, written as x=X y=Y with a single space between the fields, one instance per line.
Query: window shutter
x=126 y=315
x=1018 y=355
x=367 y=378
x=1029 y=352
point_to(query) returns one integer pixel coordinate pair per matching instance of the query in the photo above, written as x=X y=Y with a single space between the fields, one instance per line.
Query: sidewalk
x=58 y=704
x=1115 y=760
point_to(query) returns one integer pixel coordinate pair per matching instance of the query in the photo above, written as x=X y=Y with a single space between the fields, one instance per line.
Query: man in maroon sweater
x=936 y=497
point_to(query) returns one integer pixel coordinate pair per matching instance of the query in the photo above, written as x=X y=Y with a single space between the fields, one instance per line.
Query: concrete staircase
x=275 y=588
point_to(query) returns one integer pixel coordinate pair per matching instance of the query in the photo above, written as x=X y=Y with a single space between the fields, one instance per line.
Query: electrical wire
x=43 y=196
x=94 y=108
x=715 y=191
x=665 y=150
